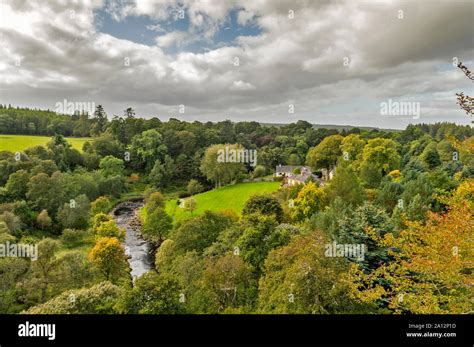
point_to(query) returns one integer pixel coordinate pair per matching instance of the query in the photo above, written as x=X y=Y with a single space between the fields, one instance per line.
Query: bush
x=240 y=177
x=259 y=171
x=264 y=204
x=153 y=201
x=194 y=187
x=73 y=237
x=98 y=299
x=101 y=205
x=110 y=229
x=31 y=240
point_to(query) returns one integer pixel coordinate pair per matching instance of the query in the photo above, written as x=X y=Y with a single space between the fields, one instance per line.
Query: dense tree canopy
x=405 y=196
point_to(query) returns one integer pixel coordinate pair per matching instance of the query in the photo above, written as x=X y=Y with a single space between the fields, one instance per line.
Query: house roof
x=304 y=177
x=290 y=168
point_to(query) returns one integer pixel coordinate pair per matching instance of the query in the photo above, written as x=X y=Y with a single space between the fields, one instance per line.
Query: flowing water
x=138 y=251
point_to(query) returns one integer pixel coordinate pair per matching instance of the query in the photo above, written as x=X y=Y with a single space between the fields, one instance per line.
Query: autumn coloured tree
x=309 y=200
x=109 y=229
x=101 y=205
x=108 y=256
x=431 y=271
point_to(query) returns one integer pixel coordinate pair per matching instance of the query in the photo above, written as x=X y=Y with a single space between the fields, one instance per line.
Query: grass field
x=14 y=143
x=226 y=198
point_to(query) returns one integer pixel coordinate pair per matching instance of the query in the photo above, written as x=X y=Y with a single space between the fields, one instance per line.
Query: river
x=138 y=251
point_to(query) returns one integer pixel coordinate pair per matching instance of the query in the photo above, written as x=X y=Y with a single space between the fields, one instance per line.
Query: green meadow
x=14 y=143
x=231 y=197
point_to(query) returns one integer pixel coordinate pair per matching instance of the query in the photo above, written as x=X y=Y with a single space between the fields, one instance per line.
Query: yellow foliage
x=433 y=262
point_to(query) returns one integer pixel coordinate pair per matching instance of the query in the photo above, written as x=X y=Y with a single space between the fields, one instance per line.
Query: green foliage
x=11 y=272
x=416 y=210
x=325 y=154
x=43 y=220
x=420 y=186
x=109 y=228
x=101 y=298
x=389 y=194
x=12 y=222
x=200 y=232
x=264 y=204
x=106 y=145
x=309 y=200
x=328 y=219
x=194 y=187
x=228 y=280
x=212 y=263
x=161 y=173
x=352 y=229
x=259 y=171
x=430 y=156
x=98 y=219
x=44 y=275
x=111 y=166
x=153 y=201
x=153 y=294
x=379 y=157
x=157 y=225
x=190 y=205
x=45 y=192
x=345 y=184
x=259 y=237
x=17 y=184
x=298 y=278
x=72 y=237
x=101 y=205
x=75 y=214
x=353 y=145
x=217 y=170
x=146 y=148
x=5 y=233
x=165 y=255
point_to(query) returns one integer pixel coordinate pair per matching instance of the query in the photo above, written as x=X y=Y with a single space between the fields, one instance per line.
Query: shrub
x=73 y=237
x=98 y=299
x=101 y=205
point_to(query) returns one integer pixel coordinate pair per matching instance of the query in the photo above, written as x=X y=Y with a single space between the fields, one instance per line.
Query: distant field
x=226 y=198
x=15 y=143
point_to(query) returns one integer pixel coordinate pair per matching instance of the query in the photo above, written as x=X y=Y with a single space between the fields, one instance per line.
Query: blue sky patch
x=144 y=30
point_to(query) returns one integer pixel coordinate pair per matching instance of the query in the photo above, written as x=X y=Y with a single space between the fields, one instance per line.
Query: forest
x=404 y=198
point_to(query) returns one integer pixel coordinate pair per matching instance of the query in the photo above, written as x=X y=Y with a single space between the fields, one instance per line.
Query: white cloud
x=299 y=59
x=156 y=27
x=172 y=38
x=241 y=85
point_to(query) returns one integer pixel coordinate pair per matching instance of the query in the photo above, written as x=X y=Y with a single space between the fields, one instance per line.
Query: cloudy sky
x=328 y=62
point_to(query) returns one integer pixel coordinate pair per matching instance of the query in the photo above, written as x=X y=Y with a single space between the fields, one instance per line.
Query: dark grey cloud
x=297 y=59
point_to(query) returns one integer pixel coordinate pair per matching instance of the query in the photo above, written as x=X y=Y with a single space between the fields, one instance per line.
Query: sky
x=273 y=61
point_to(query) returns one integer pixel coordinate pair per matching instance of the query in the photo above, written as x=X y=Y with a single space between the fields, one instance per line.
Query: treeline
x=27 y=121
x=45 y=122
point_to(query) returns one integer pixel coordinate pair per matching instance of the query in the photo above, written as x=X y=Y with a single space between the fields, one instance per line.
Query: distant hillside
x=337 y=127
